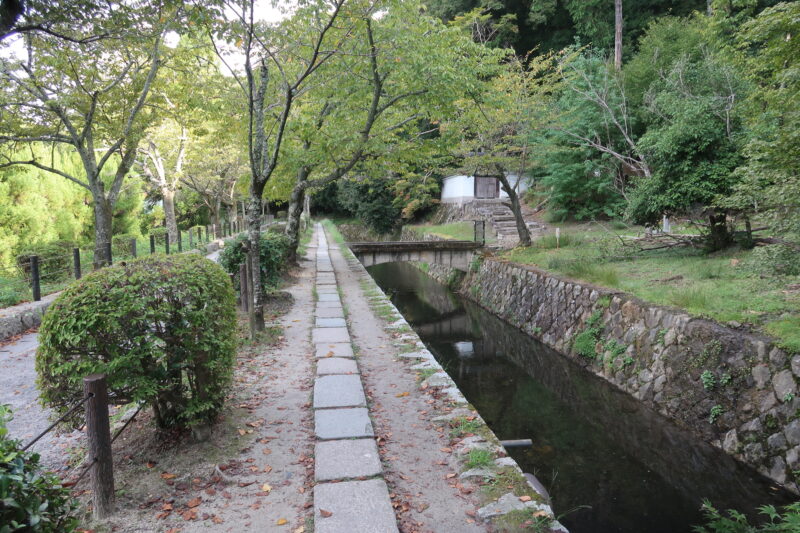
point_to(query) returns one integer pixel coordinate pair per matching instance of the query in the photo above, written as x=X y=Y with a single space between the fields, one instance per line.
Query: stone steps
x=345 y=452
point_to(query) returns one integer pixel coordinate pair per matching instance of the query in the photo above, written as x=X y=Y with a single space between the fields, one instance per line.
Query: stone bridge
x=455 y=254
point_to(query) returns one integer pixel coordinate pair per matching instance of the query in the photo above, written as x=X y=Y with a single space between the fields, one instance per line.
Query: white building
x=463 y=189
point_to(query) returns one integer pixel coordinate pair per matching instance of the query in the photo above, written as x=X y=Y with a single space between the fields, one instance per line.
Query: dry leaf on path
x=401 y=395
x=194 y=502
x=266 y=487
x=282 y=522
x=325 y=514
x=525 y=498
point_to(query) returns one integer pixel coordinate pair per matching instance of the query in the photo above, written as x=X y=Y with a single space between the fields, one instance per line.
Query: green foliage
x=581 y=183
x=586 y=269
x=777 y=259
x=273 y=250
x=55 y=260
x=691 y=140
x=371 y=201
x=161 y=327
x=708 y=379
x=121 y=245
x=32 y=500
x=585 y=342
x=715 y=413
x=731 y=521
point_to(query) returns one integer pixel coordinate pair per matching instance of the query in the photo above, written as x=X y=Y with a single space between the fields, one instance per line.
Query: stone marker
x=329 y=335
x=336 y=365
x=338 y=391
x=361 y=506
x=346 y=459
x=342 y=423
x=334 y=349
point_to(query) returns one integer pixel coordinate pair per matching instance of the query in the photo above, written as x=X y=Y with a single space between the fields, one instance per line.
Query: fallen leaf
x=166 y=475
x=194 y=502
x=325 y=514
x=266 y=451
x=242 y=432
x=266 y=487
x=150 y=464
x=267 y=469
x=282 y=522
x=450 y=476
x=446 y=450
x=401 y=395
x=166 y=507
x=216 y=519
x=301 y=529
x=525 y=498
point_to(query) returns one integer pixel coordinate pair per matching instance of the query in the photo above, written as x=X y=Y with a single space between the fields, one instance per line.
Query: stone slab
x=346 y=459
x=342 y=423
x=329 y=312
x=328 y=297
x=330 y=323
x=325 y=279
x=334 y=349
x=338 y=391
x=327 y=289
x=329 y=335
x=324 y=268
x=329 y=305
x=336 y=365
x=361 y=506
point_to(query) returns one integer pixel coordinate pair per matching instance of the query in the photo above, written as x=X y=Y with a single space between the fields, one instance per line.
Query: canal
x=611 y=465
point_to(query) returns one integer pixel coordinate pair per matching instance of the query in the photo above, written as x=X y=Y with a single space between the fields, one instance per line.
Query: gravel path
x=18 y=389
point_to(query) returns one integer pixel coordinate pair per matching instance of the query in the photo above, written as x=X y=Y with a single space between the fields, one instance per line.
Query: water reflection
x=593 y=445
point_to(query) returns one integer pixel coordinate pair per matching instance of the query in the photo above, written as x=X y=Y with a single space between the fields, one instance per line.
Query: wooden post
x=133 y=248
x=243 y=285
x=180 y=242
x=199 y=234
x=98 y=433
x=36 y=285
x=189 y=233
x=152 y=243
x=76 y=262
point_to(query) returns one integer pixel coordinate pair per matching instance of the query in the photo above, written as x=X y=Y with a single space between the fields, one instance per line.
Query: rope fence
x=36 y=276
x=99 y=460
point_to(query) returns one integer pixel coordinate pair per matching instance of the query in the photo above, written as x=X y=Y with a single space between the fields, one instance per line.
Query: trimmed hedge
x=161 y=327
x=30 y=499
x=274 y=250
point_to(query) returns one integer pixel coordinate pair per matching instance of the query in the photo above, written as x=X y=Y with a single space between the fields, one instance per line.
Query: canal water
x=611 y=465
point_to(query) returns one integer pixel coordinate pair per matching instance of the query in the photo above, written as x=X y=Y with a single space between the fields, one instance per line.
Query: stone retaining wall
x=20 y=318
x=736 y=390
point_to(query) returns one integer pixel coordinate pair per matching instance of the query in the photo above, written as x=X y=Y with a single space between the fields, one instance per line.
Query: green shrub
x=121 y=245
x=585 y=342
x=735 y=522
x=776 y=259
x=274 y=247
x=160 y=235
x=55 y=260
x=565 y=240
x=161 y=327
x=32 y=500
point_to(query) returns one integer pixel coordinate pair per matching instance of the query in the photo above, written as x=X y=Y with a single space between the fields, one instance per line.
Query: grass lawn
x=723 y=286
x=460 y=231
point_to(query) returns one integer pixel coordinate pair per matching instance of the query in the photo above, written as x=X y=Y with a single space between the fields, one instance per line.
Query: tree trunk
x=295 y=212
x=516 y=209
x=618 y=34
x=169 y=214
x=217 y=209
x=254 y=238
x=102 y=229
x=719 y=236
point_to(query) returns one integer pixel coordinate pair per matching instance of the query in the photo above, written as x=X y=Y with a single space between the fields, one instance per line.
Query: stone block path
x=350 y=494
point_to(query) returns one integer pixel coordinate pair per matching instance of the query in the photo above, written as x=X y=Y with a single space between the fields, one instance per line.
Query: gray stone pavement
x=346 y=452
